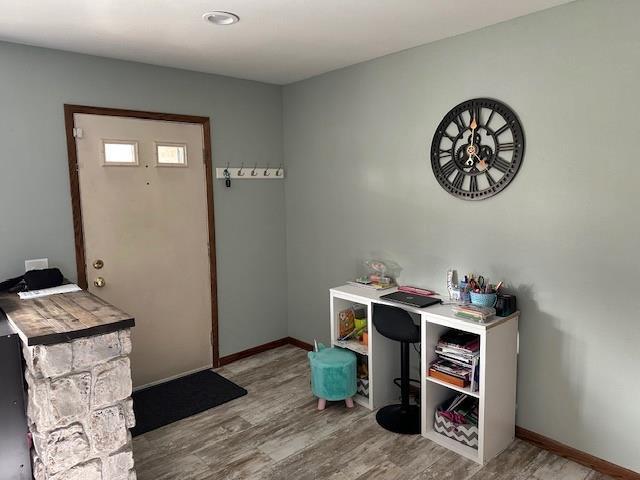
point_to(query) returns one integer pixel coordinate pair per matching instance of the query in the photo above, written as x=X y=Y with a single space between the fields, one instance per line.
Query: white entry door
x=144 y=215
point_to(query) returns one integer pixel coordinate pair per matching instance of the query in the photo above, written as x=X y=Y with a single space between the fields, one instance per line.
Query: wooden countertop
x=63 y=317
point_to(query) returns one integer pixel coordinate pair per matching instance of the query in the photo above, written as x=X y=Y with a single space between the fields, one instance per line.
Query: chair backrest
x=395 y=323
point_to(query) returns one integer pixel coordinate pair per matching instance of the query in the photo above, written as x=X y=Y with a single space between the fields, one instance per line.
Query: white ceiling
x=276 y=41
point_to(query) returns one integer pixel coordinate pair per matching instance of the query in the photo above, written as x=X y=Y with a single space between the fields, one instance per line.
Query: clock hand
x=473 y=125
x=482 y=162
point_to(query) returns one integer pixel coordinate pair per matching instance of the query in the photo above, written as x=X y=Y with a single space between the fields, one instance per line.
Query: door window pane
x=120 y=153
x=171 y=154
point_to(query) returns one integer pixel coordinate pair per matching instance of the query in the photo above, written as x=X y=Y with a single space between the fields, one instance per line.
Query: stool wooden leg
x=322 y=403
x=349 y=402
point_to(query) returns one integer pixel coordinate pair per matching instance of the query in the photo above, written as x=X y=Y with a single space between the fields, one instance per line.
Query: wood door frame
x=81 y=266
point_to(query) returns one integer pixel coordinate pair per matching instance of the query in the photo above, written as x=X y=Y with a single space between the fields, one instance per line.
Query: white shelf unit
x=498 y=369
x=384 y=367
x=497 y=386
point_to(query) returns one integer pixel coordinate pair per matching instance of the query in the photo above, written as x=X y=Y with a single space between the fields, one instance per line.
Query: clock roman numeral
x=460 y=123
x=445 y=153
x=501 y=164
x=450 y=137
x=490 y=118
x=490 y=178
x=506 y=147
x=473 y=185
x=502 y=129
x=448 y=168
x=457 y=181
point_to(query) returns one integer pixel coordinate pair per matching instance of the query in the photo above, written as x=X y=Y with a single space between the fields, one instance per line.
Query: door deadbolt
x=98 y=264
x=99 y=282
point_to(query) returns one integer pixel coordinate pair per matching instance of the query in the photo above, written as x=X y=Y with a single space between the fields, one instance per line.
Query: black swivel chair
x=397 y=324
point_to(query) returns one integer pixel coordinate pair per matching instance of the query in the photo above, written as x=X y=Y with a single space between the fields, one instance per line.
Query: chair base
x=400 y=419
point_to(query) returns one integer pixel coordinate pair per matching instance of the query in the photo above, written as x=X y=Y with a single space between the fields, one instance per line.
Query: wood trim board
x=69 y=112
x=227 y=359
x=300 y=344
x=576 y=455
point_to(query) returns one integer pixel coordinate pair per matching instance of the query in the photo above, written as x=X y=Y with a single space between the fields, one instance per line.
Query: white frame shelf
x=466 y=390
x=353 y=345
x=498 y=368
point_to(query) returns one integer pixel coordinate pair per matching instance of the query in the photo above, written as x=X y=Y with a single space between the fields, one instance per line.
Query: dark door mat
x=181 y=398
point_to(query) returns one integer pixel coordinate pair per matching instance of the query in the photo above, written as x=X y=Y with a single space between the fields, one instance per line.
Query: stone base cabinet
x=80 y=408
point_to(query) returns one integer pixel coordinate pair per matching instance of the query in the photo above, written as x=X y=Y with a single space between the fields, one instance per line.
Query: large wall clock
x=477 y=149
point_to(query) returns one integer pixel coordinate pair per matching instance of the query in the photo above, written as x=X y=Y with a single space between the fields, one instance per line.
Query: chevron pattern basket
x=465 y=433
x=363 y=387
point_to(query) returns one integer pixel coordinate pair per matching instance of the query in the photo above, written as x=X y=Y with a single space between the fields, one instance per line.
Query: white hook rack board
x=245 y=173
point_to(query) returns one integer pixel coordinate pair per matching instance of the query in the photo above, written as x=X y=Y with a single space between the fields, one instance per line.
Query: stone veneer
x=80 y=408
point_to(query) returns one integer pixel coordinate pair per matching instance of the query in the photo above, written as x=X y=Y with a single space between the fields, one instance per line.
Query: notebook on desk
x=418 y=301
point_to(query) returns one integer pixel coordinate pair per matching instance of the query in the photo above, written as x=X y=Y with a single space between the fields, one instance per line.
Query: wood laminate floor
x=275 y=432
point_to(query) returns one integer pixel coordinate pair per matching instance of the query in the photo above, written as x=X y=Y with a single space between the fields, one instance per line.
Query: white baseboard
x=173 y=377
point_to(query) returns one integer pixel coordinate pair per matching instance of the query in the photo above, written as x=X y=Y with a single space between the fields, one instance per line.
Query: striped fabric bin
x=464 y=433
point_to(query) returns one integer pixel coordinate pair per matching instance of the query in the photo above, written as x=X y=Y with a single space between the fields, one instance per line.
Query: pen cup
x=483 y=299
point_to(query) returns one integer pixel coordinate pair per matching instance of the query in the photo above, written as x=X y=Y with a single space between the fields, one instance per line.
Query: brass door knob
x=99 y=282
x=98 y=264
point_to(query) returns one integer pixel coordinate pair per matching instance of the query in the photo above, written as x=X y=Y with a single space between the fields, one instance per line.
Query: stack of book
x=473 y=312
x=458 y=359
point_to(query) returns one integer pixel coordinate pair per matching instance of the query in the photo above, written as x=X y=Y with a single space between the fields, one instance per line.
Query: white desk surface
x=441 y=310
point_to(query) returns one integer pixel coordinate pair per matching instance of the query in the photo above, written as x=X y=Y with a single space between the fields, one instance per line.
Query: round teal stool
x=333 y=375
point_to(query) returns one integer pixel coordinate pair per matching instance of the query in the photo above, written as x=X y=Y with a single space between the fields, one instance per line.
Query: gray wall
x=34 y=179
x=564 y=235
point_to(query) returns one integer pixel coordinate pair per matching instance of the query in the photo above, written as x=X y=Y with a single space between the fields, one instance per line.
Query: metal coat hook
x=240 y=172
x=227 y=177
x=279 y=171
x=253 y=172
x=266 y=171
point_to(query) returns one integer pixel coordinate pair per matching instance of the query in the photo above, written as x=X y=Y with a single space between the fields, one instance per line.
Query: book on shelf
x=460 y=354
x=451 y=379
x=465 y=362
x=450 y=368
x=463 y=341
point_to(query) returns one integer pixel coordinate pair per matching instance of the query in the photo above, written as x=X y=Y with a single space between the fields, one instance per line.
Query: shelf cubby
x=434 y=332
x=386 y=364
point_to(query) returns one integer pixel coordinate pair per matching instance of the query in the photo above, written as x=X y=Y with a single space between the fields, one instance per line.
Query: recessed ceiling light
x=221 y=18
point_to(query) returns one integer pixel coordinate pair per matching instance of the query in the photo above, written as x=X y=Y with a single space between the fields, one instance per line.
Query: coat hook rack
x=250 y=173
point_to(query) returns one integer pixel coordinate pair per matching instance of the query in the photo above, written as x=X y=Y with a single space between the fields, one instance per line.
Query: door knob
x=98 y=264
x=99 y=282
